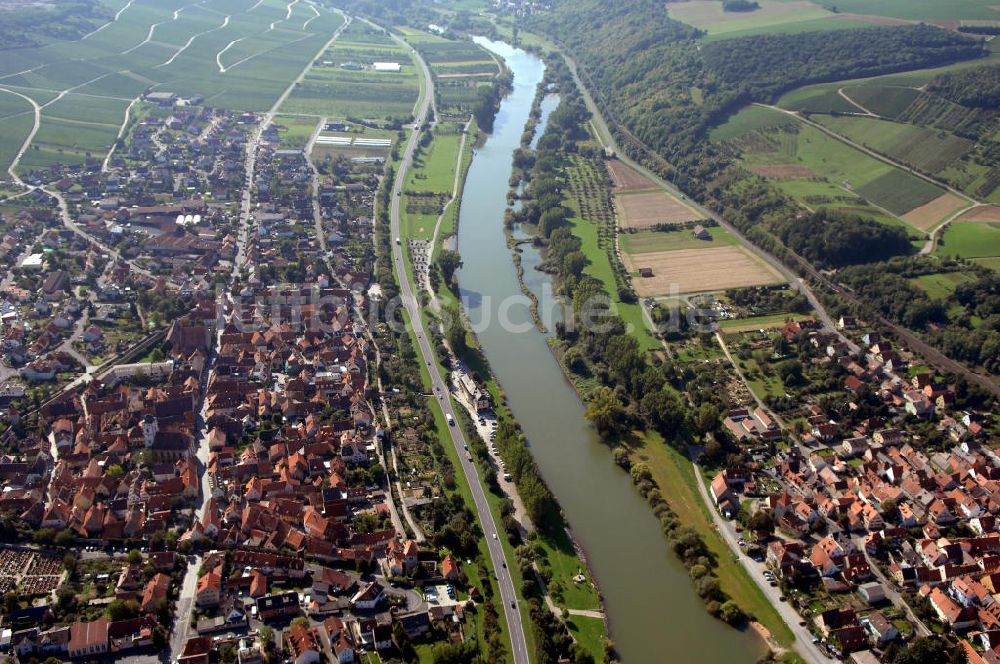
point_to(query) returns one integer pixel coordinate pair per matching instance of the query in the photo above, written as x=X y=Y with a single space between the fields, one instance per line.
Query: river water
x=655 y=615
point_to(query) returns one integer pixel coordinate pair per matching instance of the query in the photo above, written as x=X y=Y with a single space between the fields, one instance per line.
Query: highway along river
x=654 y=613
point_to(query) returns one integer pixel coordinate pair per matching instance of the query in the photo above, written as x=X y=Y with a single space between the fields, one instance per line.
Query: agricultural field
x=644 y=242
x=234 y=54
x=771 y=16
x=925 y=149
x=821 y=171
x=431 y=180
x=459 y=69
x=921 y=10
x=647 y=209
x=755 y=323
x=625 y=178
x=344 y=82
x=915 y=127
x=16 y=121
x=699 y=270
x=942 y=285
x=970 y=239
x=294 y=132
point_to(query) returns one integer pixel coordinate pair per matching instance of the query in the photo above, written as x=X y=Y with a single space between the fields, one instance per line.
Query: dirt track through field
x=648 y=209
x=697 y=270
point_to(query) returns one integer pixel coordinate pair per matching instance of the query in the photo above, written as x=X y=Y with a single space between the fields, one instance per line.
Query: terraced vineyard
x=344 y=83
x=234 y=54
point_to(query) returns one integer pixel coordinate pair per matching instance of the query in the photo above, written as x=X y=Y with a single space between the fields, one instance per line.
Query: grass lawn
x=681 y=238
x=294 y=132
x=992 y=262
x=758 y=322
x=921 y=9
x=970 y=239
x=676 y=478
x=589 y=633
x=600 y=268
x=941 y=285
x=433 y=171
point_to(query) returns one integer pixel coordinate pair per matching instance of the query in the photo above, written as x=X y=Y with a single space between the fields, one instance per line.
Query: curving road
x=803 y=637
x=508 y=595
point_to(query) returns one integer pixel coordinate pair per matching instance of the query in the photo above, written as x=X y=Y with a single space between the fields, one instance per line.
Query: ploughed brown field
x=626 y=178
x=648 y=209
x=779 y=171
x=981 y=213
x=929 y=215
x=697 y=270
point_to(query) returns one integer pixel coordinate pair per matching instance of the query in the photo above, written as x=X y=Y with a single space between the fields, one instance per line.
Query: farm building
x=645 y=272
x=351 y=66
x=700 y=232
x=386 y=66
x=162 y=98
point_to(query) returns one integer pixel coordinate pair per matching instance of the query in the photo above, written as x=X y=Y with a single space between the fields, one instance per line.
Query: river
x=654 y=613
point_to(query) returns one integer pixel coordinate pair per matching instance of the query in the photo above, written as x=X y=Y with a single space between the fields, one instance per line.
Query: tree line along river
x=654 y=614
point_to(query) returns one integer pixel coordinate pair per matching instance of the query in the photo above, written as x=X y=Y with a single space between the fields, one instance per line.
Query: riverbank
x=671 y=470
x=548 y=549
x=610 y=520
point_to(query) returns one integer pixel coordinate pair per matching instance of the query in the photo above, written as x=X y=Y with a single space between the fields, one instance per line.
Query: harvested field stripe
x=699 y=270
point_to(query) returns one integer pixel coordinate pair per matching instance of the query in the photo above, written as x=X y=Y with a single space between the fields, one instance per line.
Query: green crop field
x=886 y=100
x=992 y=262
x=237 y=54
x=458 y=67
x=433 y=171
x=924 y=149
x=971 y=240
x=650 y=241
x=294 y=132
x=835 y=174
x=943 y=284
x=919 y=10
x=13 y=131
x=330 y=89
x=899 y=192
x=771 y=16
x=749 y=120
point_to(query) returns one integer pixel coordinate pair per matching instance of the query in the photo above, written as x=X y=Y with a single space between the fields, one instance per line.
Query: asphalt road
x=507 y=594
